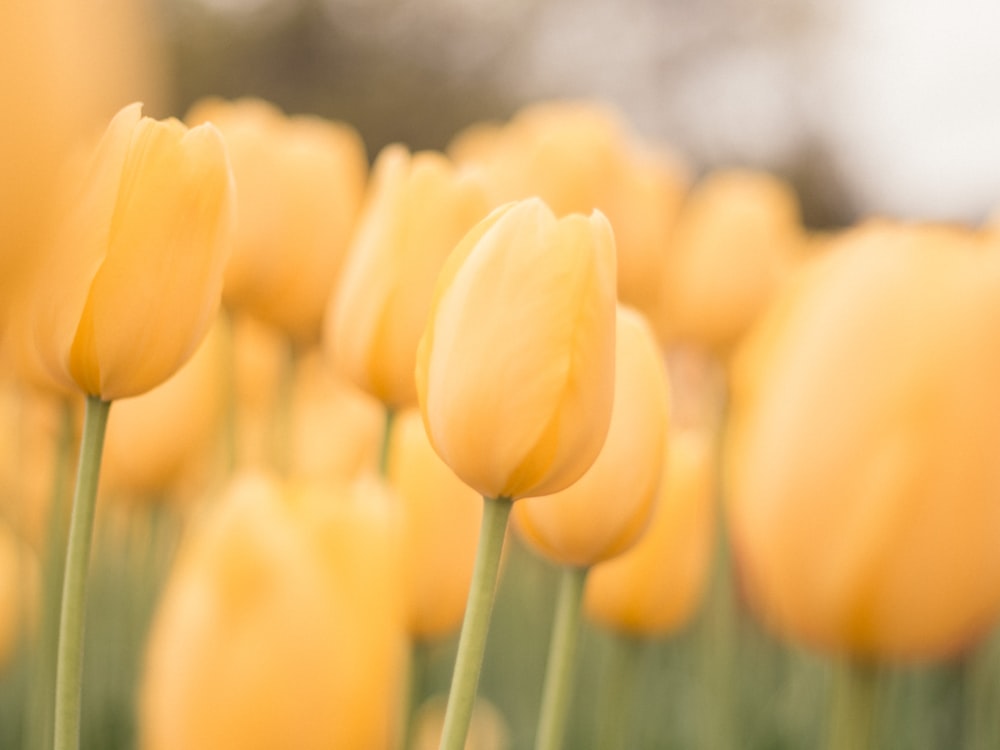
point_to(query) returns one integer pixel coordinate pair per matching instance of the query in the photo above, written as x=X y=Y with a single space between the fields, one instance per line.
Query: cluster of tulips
x=349 y=384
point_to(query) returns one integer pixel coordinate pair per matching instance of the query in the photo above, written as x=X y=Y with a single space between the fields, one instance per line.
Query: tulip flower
x=134 y=284
x=515 y=378
x=280 y=625
x=419 y=207
x=580 y=156
x=602 y=514
x=300 y=182
x=735 y=239
x=655 y=587
x=864 y=508
x=441 y=517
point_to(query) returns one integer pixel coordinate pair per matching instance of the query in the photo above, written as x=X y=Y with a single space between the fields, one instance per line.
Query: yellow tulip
x=300 y=182
x=655 y=587
x=155 y=440
x=578 y=156
x=734 y=241
x=441 y=517
x=280 y=626
x=864 y=508
x=136 y=271
x=515 y=371
x=418 y=209
x=602 y=514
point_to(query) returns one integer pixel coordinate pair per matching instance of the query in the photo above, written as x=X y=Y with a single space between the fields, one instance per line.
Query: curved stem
x=69 y=660
x=475 y=626
x=562 y=652
x=383 y=454
x=854 y=698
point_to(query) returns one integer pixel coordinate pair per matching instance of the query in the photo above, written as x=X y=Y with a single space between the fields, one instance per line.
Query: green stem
x=69 y=660
x=54 y=559
x=854 y=702
x=472 y=641
x=619 y=687
x=282 y=428
x=383 y=455
x=562 y=651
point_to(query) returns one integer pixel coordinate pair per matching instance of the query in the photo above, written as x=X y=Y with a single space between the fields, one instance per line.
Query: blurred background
x=868 y=106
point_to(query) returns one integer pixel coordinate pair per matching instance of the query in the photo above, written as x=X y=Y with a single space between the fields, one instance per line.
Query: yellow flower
x=734 y=241
x=136 y=271
x=281 y=625
x=578 y=156
x=441 y=518
x=300 y=182
x=515 y=371
x=418 y=209
x=864 y=483
x=603 y=513
x=655 y=587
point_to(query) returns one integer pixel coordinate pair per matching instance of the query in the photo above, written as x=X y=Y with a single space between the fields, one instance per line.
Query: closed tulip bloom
x=419 y=208
x=515 y=371
x=605 y=511
x=441 y=517
x=137 y=266
x=864 y=479
x=578 y=156
x=301 y=181
x=280 y=625
x=735 y=240
x=655 y=587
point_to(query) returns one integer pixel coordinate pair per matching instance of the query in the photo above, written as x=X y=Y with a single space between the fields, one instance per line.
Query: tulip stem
x=854 y=703
x=383 y=455
x=69 y=659
x=475 y=626
x=562 y=652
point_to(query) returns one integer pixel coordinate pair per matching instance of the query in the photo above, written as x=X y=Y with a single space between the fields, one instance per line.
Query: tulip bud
x=300 y=182
x=655 y=587
x=441 y=519
x=419 y=208
x=280 y=625
x=136 y=272
x=734 y=241
x=603 y=513
x=864 y=479
x=515 y=371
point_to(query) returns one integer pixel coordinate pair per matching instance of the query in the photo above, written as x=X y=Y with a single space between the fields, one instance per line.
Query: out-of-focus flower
x=655 y=587
x=300 y=182
x=578 y=156
x=136 y=268
x=441 y=518
x=281 y=625
x=418 y=209
x=156 y=440
x=862 y=460
x=735 y=239
x=65 y=68
x=604 y=512
x=515 y=371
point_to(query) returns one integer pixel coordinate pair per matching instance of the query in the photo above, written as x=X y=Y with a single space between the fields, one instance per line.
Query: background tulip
x=281 y=625
x=136 y=273
x=864 y=480
x=655 y=587
x=418 y=209
x=300 y=182
x=605 y=511
x=441 y=517
x=515 y=372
